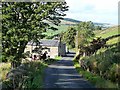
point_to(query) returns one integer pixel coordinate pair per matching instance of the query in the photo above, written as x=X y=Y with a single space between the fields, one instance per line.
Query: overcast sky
x=103 y=11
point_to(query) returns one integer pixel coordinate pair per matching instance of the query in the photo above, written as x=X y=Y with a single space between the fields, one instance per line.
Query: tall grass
x=36 y=75
x=4 y=69
x=29 y=75
x=93 y=78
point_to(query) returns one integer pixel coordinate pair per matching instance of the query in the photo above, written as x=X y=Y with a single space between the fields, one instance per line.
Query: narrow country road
x=62 y=74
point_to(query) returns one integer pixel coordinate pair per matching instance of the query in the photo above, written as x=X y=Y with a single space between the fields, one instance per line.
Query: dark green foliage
x=113 y=73
x=104 y=64
x=84 y=33
x=29 y=75
x=98 y=27
x=25 y=21
x=100 y=58
x=116 y=57
x=95 y=79
x=92 y=48
x=86 y=25
x=69 y=37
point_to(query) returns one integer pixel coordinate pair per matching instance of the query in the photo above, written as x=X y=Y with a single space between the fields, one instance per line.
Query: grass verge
x=52 y=60
x=29 y=75
x=4 y=69
x=94 y=79
x=37 y=70
x=36 y=74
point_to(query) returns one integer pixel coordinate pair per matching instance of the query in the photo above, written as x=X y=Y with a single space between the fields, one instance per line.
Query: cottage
x=51 y=47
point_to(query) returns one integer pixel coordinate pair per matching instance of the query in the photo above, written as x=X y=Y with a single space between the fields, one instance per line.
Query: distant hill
x=65 y=23
x=68 y=21
x=72 y=20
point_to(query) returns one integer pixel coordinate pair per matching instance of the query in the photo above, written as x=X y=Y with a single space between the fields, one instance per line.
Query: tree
x=98 y=27
x=25 y=21
x=84 y=33
x=69 y=37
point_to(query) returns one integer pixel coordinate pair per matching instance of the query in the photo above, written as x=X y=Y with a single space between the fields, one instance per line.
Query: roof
x=45 y=42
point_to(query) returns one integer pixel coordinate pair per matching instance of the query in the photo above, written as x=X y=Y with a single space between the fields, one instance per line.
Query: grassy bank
x=28 y=75
x=37 y=70
x=36 y=74
x=101 y=68
x=94 y=79
x=107 y=32
x=4 y=69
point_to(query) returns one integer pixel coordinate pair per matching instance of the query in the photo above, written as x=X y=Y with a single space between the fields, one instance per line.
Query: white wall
x=52 y=53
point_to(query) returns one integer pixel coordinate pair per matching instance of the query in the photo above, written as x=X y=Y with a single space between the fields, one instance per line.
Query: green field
x=107 y=32
x=113 y=41
x=61 y=28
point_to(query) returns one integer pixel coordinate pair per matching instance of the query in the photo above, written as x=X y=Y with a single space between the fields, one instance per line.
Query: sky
x=101 y=11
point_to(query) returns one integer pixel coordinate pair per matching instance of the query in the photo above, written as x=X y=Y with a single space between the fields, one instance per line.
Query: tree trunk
x=15 y=64
x=19 y=55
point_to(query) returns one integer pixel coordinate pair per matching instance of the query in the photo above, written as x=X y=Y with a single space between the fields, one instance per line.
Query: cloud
x=94 y=10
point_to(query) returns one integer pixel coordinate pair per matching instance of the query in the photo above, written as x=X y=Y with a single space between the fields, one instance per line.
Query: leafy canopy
x=26 y=21
x=84 y=33
x=69 y=37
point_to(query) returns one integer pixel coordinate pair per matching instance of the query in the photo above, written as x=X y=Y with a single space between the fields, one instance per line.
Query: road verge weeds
x=94 y=79
x=30 y=74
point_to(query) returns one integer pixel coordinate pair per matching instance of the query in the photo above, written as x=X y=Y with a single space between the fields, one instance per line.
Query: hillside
x=66 y=22
x=103 y=63
x=107 y=32
x=73 y=21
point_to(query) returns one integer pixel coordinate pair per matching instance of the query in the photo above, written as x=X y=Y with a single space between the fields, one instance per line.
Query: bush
x=104 y=63
x=116 y=57
x=113 y=73
x=3 y=58
x=28 y=75
x=95 y=79
x=103 y=66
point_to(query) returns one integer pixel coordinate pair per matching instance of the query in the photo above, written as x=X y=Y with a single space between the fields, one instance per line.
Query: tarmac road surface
x=62 y=74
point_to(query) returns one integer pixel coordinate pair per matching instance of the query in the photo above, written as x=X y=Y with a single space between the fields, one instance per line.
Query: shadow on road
x=63 y=74
x=70 y=54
